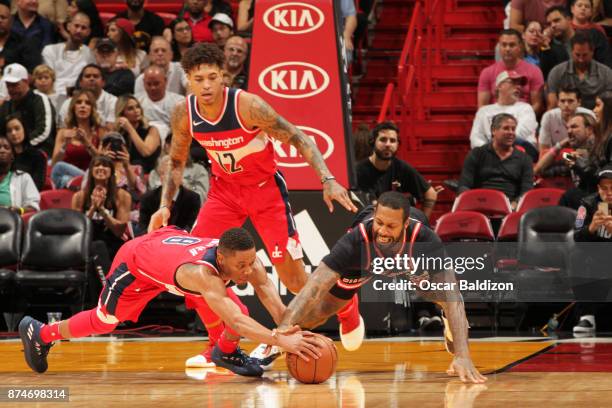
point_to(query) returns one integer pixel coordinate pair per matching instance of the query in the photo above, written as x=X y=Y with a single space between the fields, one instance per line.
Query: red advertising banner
x=296 y=67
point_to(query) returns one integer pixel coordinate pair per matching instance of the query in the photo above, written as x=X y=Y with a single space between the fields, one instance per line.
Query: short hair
x=581 y=38
x=572 y=2
x=380 y=127
x=235 y=239
x=396 y=201
x=588 y=120
x=512 y=31
x=43 y=69
x=92 y=65
x=500 y=118
x=202 y=54
x=561 y=9
x=570 y=89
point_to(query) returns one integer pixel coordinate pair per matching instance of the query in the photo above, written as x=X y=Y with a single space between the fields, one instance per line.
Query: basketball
x=314 y=371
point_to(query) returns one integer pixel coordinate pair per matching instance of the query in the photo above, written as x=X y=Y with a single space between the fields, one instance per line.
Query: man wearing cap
x=511 y=49
x=15 y=48
x=158 y=103
x=590 y=271
x=143 y=20
x=118 y=81
x=67 y=59
x=507 y=92
x=36 y=110
x=222 y=28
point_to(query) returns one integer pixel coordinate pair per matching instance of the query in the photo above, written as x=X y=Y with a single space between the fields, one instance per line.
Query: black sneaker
x=237 y=362
x=34 y=349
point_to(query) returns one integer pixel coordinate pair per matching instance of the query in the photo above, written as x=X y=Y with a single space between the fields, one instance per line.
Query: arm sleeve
x=39 y=170
x=47 y=55
x=484 y=80
x=527 y=124
x=583 y=220
x=478 y=136
x=545 y=137
x=554 y=78
x=139 y=85
x=29 y=193
x=44 y=114
x=536 y=81
x=468 y=173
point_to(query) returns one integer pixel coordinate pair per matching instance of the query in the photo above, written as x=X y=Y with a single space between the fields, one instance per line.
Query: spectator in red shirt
x=511 y=49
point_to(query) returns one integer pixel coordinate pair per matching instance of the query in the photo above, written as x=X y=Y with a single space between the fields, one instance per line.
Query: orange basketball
x=314 y=371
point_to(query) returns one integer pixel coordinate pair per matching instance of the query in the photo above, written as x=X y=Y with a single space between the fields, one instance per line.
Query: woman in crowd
x=120 y=31
x=602 y=149
x=532 y=37
x=17 y=190
x=182 y=37
x=107 y=206
x=127 y=176
x=27 y=158
x=77 y=143
x=143 y=141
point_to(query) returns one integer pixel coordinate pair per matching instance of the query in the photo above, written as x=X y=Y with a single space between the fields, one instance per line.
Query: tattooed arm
x=179 y=152
x=258 y=114
x=311 y=295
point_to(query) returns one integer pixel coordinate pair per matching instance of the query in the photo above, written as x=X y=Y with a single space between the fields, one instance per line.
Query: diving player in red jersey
x=235 y=127
x=172 y=260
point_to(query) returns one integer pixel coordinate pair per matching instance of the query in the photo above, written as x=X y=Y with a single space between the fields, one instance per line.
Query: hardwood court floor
x=381 y=374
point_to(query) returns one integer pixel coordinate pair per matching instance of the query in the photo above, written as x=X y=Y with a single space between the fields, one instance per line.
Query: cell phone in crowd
x=604 y=208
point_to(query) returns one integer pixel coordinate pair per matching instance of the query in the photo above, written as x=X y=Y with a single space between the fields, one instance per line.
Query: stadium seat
x=464 y=225
x=75 y=183
x=491 y=203
x=509 y=227
x=546 y=237
x=54 y=259
x=539 y=197
x=168 y=17
x=106 y=16
x=10 y=245
x=563 y=183
x=505 y=251
x=56 y=199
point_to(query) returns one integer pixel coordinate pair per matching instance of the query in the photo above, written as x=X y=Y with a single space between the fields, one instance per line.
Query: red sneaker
x=352 y=328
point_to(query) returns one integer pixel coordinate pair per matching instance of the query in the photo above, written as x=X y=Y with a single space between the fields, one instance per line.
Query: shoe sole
x=583 y=330
x=352 y=340
x=27 y=350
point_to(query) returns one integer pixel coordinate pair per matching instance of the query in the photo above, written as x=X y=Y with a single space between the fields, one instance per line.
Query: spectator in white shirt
x=92 y=79
x=160 y=54
x=67 y=59
x=507 y=86
x=157 y=102
x=553 y=127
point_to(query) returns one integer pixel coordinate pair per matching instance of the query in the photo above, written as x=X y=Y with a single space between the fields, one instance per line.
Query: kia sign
x=294 y=80
x=288 y=155
x=297 y=67
x=293 y=18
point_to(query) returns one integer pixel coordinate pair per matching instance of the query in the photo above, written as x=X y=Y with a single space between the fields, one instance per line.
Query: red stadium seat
x=74 y=183
x=509 y=227
x=56 y=199
x=563 y=183
x=491 y=203
x=539 y=197
x=106 y=16
x=464 y=225
x=168 y=17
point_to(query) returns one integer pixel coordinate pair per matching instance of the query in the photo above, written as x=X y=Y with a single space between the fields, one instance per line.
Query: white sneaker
x=202 y=360
x=586 y=325
x=352 y=340
x=267 y=358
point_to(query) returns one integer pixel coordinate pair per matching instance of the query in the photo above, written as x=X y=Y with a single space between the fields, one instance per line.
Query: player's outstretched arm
x=199 y=279
x=452 y=303
x=300 y=308
x=257 y=113
x=267 y=292
x=179 y=151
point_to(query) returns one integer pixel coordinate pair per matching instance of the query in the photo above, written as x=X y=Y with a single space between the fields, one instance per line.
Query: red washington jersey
x=238 y=155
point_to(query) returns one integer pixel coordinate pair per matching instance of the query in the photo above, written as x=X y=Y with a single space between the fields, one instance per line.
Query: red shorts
x=266 y=204
x=126 y=294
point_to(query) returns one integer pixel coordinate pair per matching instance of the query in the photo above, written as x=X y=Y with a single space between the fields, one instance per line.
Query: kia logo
x=293 y=80
x=288 y=156
x=293 y=18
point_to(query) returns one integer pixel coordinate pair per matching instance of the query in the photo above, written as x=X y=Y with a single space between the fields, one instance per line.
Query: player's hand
x=332 y=190
x=303 y=343
x=464 y=368
x=159 y=219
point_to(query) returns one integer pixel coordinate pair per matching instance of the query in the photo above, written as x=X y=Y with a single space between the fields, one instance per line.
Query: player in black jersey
x=352 y=263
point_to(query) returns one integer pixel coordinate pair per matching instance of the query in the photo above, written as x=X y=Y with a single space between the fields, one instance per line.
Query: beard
x=385 y=155
x=135 y=5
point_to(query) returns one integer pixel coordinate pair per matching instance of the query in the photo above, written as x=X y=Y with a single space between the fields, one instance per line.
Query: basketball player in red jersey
x=236 y=128
x=174 y=261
